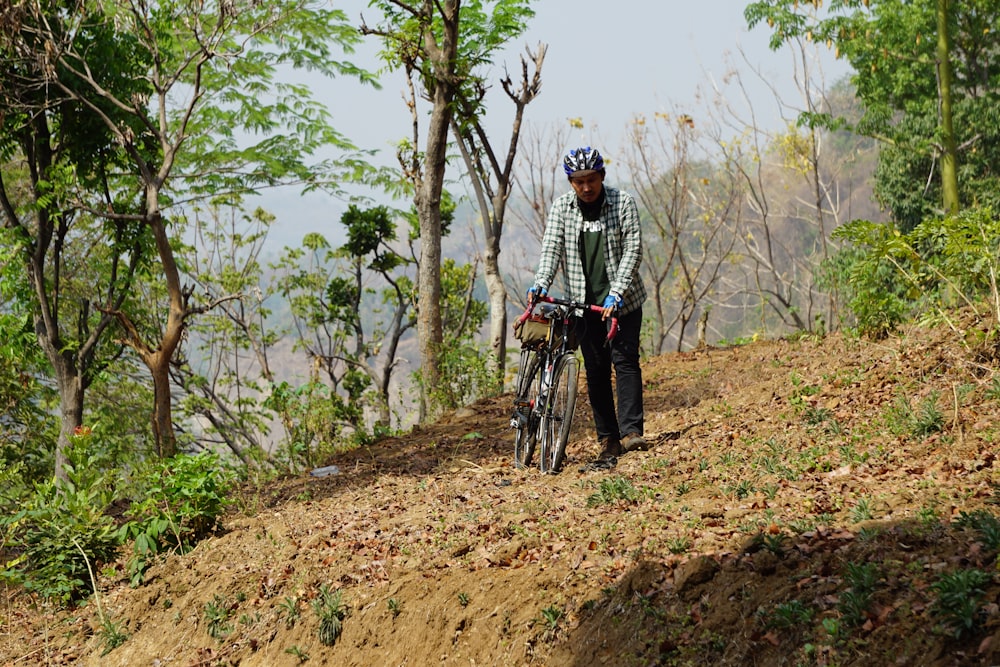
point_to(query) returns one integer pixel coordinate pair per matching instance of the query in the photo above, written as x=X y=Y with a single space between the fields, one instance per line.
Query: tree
x=209 y=74
x=690 y=208
x=928 y=74
x=492 y=183
x=440 y=46
x=59 y=162
x=339 y=316
x=228 y=373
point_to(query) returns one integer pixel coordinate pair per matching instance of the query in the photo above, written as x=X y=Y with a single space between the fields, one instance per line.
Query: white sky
x=606 y=62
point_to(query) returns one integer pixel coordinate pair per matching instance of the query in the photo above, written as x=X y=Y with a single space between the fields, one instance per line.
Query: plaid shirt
x=622 y=247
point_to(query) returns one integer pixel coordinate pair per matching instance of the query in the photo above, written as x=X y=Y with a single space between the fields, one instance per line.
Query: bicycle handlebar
x=573 y=305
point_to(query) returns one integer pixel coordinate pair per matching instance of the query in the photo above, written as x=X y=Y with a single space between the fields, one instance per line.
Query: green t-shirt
x=594 y=268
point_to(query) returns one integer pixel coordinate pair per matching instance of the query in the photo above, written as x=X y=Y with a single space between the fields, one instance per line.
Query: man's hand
x=536 y=291
x=611 y=305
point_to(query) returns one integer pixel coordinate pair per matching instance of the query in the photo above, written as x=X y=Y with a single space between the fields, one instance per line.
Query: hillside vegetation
x=811 y=502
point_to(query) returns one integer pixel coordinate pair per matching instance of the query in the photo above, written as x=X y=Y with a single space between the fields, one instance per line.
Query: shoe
x=610 y=448
x=602 y=463
x=634 y=442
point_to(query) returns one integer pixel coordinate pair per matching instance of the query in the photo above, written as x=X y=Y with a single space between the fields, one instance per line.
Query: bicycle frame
x=546 y=386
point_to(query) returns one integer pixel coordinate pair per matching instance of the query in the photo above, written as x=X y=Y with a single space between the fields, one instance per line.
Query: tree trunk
x=70 y=387
x=498 y=308
x=949 y=157
x=428 y=203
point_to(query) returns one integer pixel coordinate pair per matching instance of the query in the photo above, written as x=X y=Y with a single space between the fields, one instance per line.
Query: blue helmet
x=583 y=159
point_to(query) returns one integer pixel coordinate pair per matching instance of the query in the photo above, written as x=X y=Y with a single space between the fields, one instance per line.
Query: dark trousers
x=598 y=360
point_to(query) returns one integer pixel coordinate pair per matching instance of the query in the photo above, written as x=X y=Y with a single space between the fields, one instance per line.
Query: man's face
x=587 y=186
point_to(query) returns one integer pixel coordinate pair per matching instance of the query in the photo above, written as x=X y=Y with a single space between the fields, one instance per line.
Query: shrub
x=182 y=500
x=61 y=527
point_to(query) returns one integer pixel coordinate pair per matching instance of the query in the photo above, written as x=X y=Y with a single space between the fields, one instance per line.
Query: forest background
x=145 y=324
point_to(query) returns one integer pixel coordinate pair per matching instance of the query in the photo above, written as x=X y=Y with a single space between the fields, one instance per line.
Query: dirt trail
x=774 y=471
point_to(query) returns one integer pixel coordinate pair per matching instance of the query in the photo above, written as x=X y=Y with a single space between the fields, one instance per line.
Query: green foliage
x=855 y=602
x=60 y=529
x=331 y=612
x=217 y=613
x=867 y=273
x=465 y=368
x=985 y=524
x=315 y=420
x=891 y=47
x=941 y=264
x=903 y=419
x=112 y=635
x=181 y=501
x=552 y=616
x=395 y=608
x=959 y=599
x=615 y=489
x=289 y=610
x=789 y=615
x=25 y=436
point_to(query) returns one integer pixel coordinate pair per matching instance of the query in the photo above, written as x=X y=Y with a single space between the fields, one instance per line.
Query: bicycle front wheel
x=557 y=419
x=525 y=419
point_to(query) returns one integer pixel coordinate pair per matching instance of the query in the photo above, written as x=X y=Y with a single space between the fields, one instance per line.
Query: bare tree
x=796 y=192
x=492 y=183
x=688 y=205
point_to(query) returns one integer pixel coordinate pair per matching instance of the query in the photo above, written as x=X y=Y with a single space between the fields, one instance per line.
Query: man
x=595 y=230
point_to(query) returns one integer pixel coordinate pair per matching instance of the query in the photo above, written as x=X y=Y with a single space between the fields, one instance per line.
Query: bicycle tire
x=526 y=431
x=557 y=419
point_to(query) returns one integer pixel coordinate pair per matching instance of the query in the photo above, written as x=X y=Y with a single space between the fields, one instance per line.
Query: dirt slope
x=779 y=471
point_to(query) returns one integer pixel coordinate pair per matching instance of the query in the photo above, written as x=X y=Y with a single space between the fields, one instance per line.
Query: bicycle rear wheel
x=557 y=419
x=525 y=420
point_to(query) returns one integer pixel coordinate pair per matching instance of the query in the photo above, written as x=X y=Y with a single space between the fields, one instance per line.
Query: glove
x=536 y=291
x=612 y=301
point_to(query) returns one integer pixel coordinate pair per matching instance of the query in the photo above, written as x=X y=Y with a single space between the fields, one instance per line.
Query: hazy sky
x=606 y=62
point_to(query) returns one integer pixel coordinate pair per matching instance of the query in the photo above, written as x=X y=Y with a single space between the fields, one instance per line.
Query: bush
x=182 y=500
x=61 y=527
x=940 y=264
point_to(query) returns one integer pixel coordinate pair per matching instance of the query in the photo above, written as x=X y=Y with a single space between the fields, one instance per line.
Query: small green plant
x=788 y=615
x=802 y=525
x=217 y=613
x=289 y=610
x=394 y=607
x=463 y=599
x=855 y=602
x=833 y=628
x=772 y=542
x=112 y=635
x=815 y=416
x=741 y=489
x=985 y=524
x=993 y=392
x=683 y=488
x=903 y=419
x=182 y=500
x=614 y=489
x=928 y=418
x=679 y=545
x=551 y=616
x=862 y=510
x=301 y=655
x=959 y=596
x=331 y=611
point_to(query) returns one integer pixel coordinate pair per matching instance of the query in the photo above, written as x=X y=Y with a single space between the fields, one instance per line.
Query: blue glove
x=612 y=301
x=536 y=291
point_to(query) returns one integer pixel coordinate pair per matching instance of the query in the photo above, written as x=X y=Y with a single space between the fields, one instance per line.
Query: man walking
x=595 y=231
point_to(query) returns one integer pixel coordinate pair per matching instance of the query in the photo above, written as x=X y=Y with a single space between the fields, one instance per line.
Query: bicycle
x=546 y=385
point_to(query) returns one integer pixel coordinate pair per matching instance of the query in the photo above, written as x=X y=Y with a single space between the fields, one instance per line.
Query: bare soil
x=775 y=468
